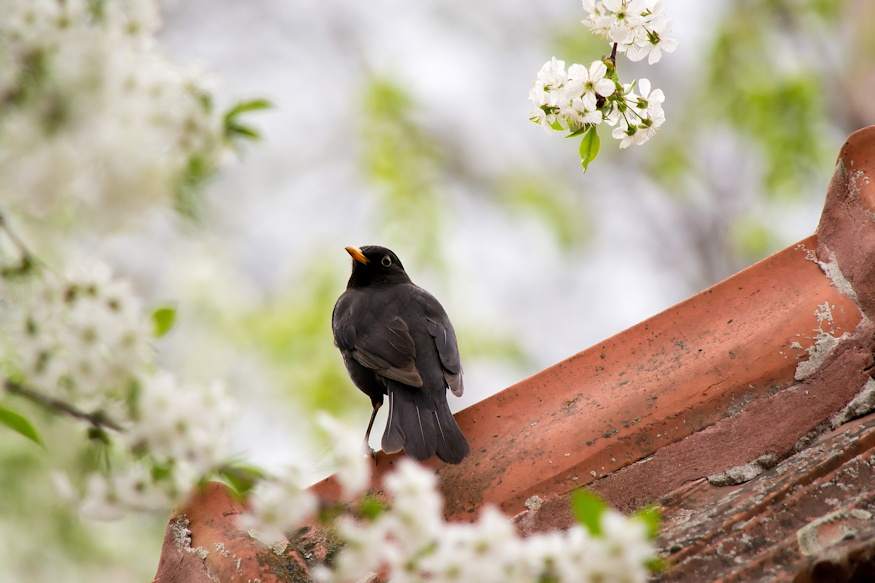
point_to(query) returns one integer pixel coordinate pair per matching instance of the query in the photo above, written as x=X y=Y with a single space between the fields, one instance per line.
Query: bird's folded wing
x=390 y=351
x=445 y=340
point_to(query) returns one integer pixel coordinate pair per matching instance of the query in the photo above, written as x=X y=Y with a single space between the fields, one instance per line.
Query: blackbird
x=397 y=340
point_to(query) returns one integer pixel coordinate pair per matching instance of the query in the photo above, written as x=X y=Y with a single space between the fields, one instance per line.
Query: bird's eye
x=386 y=261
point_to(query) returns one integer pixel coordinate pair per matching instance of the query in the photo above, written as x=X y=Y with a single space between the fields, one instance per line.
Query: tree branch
x=97 y=419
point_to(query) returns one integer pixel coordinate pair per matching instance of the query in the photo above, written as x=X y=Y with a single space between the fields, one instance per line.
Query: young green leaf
x=235 y=129
x=589 y=147
x=588 y=509
x=241 y=478
x=18 y=423
x=163 y=319
x=244 y=106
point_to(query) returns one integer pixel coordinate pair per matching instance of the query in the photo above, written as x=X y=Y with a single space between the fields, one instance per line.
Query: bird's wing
x=440 y=328
x=390 y=351
x=384 y=346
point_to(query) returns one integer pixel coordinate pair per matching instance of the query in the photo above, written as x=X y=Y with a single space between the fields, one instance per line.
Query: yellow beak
x=357 y=254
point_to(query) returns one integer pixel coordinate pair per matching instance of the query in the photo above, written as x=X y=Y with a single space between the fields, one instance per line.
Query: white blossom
x=547 y=95
x=588 y=83
x=353 y=467
x=277 y=505
x=616 y=20
x=639 y=27
x=653 y=41
x=550 y=80
x=642 y=115
x=183 y=427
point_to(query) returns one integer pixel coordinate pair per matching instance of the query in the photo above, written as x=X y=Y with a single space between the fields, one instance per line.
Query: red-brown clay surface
x=218 y=550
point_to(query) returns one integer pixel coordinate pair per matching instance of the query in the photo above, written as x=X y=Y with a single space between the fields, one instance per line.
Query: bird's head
x=375 y=265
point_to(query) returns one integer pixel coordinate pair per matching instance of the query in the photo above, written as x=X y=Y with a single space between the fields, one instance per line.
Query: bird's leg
x=368 y=450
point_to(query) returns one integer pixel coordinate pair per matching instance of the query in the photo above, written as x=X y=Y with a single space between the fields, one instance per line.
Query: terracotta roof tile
x=740 y=383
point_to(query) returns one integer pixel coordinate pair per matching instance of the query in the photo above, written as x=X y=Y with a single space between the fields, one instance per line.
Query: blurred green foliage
x=752 y=238
x=773 y=98
x=201 y=166
x=293 y=333
x=766 y=88
x=401 y=160
x=759 y=82
x=563 y=212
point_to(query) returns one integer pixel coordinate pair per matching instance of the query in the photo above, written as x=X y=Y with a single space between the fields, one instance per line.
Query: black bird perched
x=397 y=340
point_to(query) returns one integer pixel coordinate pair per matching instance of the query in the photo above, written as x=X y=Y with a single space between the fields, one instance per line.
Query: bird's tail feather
x=420 y=430
x=452 y=447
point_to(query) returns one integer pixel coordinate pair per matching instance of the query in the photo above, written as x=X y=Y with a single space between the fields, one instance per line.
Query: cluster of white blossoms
x=580 y=98
x=639 y=27
x=93 y=116
x=84 y=340
x=410 y=541
x=82 y=337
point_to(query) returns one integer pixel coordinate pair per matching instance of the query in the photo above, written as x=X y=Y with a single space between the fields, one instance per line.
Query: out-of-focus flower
x=411 y=542
x=181 y=427
x=353 y=467
x=278 y=505
x=95 y=117
x=82 y=337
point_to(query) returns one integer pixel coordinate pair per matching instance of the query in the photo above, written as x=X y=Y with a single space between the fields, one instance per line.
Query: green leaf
x=163 y=318
x=17 y=423
x=589 y=147
x=651 y=517
x=585 y=127
x=187 y=198
x=235 y=129
x=370 y=508
x=242 y=478
x=244 y=106
x=588 y=509
x=161 y=472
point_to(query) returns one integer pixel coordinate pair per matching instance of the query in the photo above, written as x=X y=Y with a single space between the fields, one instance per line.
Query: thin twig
x=27 y=259
x=97 y=419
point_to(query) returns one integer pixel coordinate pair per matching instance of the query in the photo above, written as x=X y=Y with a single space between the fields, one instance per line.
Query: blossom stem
x=27 y=259
x=641 y=117
x=97 y=419
x=613 y=56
